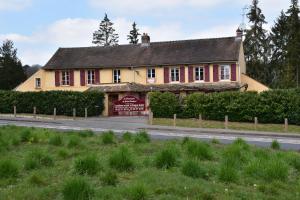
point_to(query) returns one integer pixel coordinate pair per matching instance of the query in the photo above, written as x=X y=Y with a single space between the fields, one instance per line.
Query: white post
x=174 y=122
x=54 y=113
x=226 y=122
x=286 y=125
x=15 y=111
x=34 y=112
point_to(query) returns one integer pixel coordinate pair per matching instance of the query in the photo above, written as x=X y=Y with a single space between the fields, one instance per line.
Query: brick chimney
x=239 y=34
x=145 y=40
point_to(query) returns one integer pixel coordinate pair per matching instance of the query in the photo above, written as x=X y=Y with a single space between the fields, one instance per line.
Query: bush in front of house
x=45 y=102
x=270 y=106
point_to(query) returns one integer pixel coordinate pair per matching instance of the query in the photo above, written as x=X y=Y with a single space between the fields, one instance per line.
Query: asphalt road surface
x=135 y=124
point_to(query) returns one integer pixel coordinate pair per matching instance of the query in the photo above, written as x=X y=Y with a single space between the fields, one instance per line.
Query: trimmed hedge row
x=45 y=102
x=270 y=106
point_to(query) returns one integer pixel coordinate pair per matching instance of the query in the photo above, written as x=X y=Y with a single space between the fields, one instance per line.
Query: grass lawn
x=194 y=123
x=38 y=164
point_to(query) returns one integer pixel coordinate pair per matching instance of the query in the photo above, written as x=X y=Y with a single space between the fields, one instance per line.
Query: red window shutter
x=233 y=72
x=182 y=74
x=82 y=77
x=71 y=77
x=191 y=74
x=166 y=75
x=206 y=73
x=97 y=76
x=57 y=78
x=216 y=73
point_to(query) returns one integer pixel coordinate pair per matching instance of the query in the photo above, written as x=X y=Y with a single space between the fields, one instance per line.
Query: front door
x=111 y=99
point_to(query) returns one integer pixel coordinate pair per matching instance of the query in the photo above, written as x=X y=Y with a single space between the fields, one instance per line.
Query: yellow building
x=132 y=71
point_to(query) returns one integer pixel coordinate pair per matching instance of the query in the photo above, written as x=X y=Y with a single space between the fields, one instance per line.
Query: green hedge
x=45 y=102
x=270 y=107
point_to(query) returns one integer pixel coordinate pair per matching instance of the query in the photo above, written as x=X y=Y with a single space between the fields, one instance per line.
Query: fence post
x=174 y=121
x=74 y=113
x=286 y=125
x=54 y=113
x=200 y=120
x=85 y=113
x=255 y=122
x=15 y=111
x=226 y=122
x=150 y=118
x=34 y=112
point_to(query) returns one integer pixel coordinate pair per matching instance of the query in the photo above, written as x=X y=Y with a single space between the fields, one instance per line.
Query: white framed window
x=38 y=83
x=175 y=74
x=224 y=72
x=117 y=76
x=199 y=73
x=151 y=73
x=65 y=78
x=90 y=77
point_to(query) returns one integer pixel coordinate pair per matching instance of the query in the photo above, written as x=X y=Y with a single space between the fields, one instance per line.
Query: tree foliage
x=105 y=35
x=133 y=35
x=11 y=71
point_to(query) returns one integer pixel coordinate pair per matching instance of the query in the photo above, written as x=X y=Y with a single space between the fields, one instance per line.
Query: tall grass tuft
x=275 y=169
x=74 y=141
x=25 y=135
x=275 y=145
x=87 y=165
x=36 y=179
x=37 y=159
x=8 y=169
x=199 y=150
x=108 y=137
x=228 y=173
x=77 y=189
x=109 y=178
x=86 y=133
x=242 y=144
x=166 y=158
x=137 y=192
x=192 y=169
x=142 y=137
x=56 y=140
x=122 y=159
x=127 y=136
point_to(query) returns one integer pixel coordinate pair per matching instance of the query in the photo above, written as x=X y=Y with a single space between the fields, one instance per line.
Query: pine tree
x=11 y=70
x=293 y=45
x=256 y=45
x=106 y=35
x=133 y=35
x=278 y=44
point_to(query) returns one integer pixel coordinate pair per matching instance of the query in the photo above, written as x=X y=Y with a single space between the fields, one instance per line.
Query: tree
x=11 y=71
x=133 y=35
x=256 y=45
x=278 y=44
x=293 y=45
x=106 y=35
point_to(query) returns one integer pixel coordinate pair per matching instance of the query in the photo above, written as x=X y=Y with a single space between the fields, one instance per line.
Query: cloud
x=14 y=5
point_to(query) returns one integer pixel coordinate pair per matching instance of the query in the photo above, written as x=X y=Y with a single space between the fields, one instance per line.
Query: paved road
x=134 y=124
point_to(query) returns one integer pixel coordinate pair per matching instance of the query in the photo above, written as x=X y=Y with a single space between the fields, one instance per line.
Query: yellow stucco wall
x=253 y=85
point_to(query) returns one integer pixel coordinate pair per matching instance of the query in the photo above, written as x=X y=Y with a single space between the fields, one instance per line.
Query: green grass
x=174 y=169
x=194 y=123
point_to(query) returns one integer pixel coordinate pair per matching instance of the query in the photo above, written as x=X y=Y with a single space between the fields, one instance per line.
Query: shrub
x=87 y=165
x=56 y=140
x=25 y=135
x=110 y=178
x=122 y=159
x=192 y=169
x=8 y=169
x=74 y=141
x=142 y=137
x=199 y=150
x=275 y=145
x=166 y=158
x=127 y=136
x=46 y=101
x=77 y=189
x=108 y=137
x=37 y=159
x=137 y=192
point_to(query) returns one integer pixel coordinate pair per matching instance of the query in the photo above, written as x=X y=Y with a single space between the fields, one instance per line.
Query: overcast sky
x=39 y=27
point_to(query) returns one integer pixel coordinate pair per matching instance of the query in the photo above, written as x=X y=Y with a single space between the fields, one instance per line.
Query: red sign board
x=129 y=103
